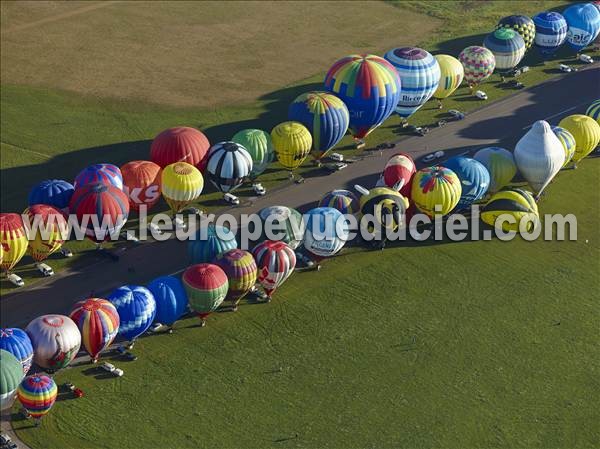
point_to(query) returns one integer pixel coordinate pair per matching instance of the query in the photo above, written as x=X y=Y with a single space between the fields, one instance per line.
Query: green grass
x=462 y=345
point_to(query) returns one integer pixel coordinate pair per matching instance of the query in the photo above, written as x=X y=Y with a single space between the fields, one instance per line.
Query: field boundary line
x=27 y=150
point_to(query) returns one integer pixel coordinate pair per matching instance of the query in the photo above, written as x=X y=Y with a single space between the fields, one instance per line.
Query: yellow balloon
x=181 y=184
x=13 y=238
x=517 y=203
x=586 y=132
x=292 y=143
x=436 y=186
x=49 y=234
x=452 y=74
x=386 y=206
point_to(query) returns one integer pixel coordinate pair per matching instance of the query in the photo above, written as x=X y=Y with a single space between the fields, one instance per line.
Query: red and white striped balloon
x=276 y=262
x=398 y=173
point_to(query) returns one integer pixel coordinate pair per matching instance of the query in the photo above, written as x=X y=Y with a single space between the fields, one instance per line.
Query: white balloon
x=539 y=156
x=56 y=340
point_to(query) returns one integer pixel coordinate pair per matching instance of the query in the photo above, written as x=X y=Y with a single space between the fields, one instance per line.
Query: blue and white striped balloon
x=507 y=46
x=17 y=342
x=419 y=74
x=136 y=307
x=326 y=231
x=550 y=32
x=474 y=179
x=229 y=164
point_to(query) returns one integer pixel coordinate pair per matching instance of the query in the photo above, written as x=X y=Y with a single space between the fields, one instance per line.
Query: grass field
x=461 y=345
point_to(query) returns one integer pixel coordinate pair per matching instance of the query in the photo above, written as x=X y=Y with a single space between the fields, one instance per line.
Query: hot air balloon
x=181 y=184
x=53 y=192
x=55 y=340
x=180 y=144
x=171 y=299
x=136 y=307
x=98 y=322
x=47 y=232
x=436 y=190
x=228 y=166
x=539 y=156
x=518 y=203
x=398 y=173
x=37 y=394
x=325 y=116
x=522 y=25
x=479 y=64
x=11 y=374
x=292 y=143
x=276 y=262
x=593 y=111
x=107 y=174
x=102 y=209
x=17 y=342
x=369 y=86
x=474 y=179
x=209 y=242
x=419 y=74
x=387 y=209
x=284 y=223
x=240 y=268
x=508 y=48
x=342 y=200
x=451 y=75
x=500 y=163
x=206 y=285
x=568 y=142
x=550 y=32
x=13 y=238
x=326 y=232
x=259 y=145
x=583 y=20
x=586 y=132
x=141 y=183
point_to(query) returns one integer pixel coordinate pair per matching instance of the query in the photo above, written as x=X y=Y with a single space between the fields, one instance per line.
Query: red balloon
x=180 y=144
x=399 y=168
x=109 y=204
x=141 y=183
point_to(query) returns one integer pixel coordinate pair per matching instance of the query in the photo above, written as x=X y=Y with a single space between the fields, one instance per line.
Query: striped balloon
x=550 y=32
x=259 y=145
x=517 y=203
x=479 y=63
x=451 y=75
x=593 y=111
x=326 y=232
x=436 y=190
x=522 y=25
x=37 y=393
x=292 y=143
x=53 y=192
x=583 y=20
x=240 y=268
x=501 y=165
x=11 y=374
x=369 y=86
x=98 y=321
x=206 y=285
x=51 y=222
x=276 y=262
x=568 y=142
x=420 y=76
x=474 y=179
x=107 y=174
x=386 y=206
x=326 y=117
x=228 y=166
x=286 y=224
x=209 y=242
x=180 y=144
x=507 y=46
x=136 y=307
x=17 y=342
x=171 y=299
x=13 y=238
x=103 y=204
x=181 y=184
x=398 y=172
x=343 y=200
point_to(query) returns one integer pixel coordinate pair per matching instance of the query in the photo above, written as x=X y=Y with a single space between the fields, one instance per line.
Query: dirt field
x=194 y=54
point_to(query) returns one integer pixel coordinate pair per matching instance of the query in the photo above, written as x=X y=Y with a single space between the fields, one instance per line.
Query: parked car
x=45 y=269
x=565 y=68
x=66 y=252
x=481 y=95
x=456 y=114
x=231 y=199
x=337 y=157
x=109 y=367
x=259 y=189
x=586 y=59
x=15 y=280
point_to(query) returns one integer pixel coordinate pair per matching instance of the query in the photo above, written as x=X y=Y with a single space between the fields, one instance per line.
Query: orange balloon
x=141 y=183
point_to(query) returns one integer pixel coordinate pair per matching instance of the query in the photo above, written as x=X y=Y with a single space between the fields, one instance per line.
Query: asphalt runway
x=501 y=123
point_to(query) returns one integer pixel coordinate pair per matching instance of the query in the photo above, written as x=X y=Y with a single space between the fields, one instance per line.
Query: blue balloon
x=326 y=231
x=171 y=299
x=583 y=20
x=17 y=342
x=136 y=307
x=53 y=192
x=205 y=248
x=474 y=179
x=550 y=32
x=107 y=174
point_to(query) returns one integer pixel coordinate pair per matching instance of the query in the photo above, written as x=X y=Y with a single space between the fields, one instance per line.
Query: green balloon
x=259 y=145
x=11 y=375
x=285 y=221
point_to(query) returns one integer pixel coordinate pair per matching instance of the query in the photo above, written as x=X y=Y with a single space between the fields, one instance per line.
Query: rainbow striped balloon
x=479 y=64
x=13 y=238
x=240 y=268
x=98 y=322
x=420 y=75
x=436 y=190
x=181 y=184
x=37 y=393
x=342 y=200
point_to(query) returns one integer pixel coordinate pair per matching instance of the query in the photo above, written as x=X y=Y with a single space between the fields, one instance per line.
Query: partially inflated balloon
x=55 y=340
x=180 y=144
x=386 y=206
x=276 y=262
x=107 y=174
x=228 y=166
x=342 y=200
x=37 y=394
x=593 y=111
x=326 y=231
x=517 y=204
x=479 y=63
x=206 y=286
x=136 y=306
x=586 y=132
x=583 y=20
x=370 y=88
x=17 y=342
x=141 y=183
x=507 y=46
x=98 y=321
x=11 y=374
x=500 y=163
x=47 y=230
x=181 y=185
x=53 y=192
x=209 y=242
x=568 y=142
x=474 y=179
x=522 y=25
x=550 y=32
x=259 y=145
x=286 y=224
x=13 y=238
x=171 y=299
x=240 y=268
x=451 y=75
x=326 y=117
x=436 y=190
x=398 y=173
x=292 y=143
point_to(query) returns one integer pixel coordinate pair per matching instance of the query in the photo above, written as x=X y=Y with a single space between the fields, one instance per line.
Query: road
x=501 y=123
